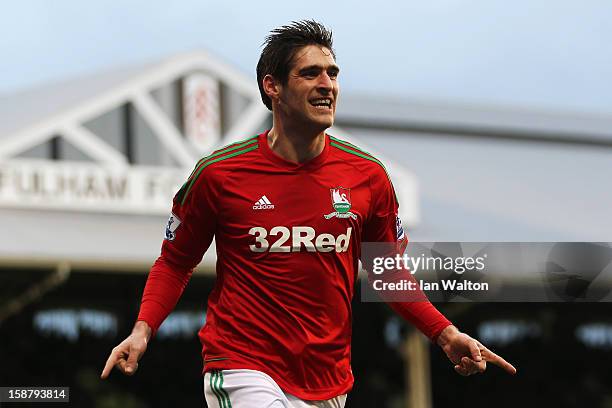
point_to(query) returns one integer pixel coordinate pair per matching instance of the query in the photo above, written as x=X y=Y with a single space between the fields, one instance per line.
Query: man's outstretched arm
x=468 y=355
x=189 y=233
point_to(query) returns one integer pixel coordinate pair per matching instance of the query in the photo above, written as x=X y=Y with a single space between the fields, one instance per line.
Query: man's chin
x=323 y=123
x=323 y=127
x=317 y=124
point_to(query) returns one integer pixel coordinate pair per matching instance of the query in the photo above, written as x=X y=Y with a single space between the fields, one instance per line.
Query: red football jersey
x=288 y=240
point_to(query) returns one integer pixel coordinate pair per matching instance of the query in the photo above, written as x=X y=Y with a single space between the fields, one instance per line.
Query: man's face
x=310 y=94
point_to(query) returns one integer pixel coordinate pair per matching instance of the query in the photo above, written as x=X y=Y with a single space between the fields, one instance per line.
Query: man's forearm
x=424 y=316
x=414 y=307
x=163 y=289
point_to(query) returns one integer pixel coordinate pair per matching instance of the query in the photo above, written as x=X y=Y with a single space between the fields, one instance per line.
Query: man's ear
x=271 y=87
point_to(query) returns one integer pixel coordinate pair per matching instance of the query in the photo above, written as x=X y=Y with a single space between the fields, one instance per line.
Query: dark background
x=555 y=368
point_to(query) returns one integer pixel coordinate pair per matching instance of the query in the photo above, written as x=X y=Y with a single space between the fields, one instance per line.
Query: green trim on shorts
x=216 y=385
x=214 y=389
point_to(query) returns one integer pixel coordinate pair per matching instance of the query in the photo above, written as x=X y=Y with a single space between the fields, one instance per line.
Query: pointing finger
x=110 y=363
x=498 y=361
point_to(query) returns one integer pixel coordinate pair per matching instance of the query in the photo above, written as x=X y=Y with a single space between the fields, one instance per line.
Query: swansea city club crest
x=341 y=202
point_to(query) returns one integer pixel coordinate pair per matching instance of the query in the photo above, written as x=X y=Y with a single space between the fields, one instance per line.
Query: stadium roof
x=30 y=106
x=385 y=113
x=25 y=108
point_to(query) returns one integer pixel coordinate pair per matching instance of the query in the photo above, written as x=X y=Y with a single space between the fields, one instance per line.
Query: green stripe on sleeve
x=226 y=149
x=187 y=187
x=372 y=159
x=344 y=142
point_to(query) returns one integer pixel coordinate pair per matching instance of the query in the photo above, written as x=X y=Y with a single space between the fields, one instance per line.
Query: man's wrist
x=446 y=335
x=142 y=328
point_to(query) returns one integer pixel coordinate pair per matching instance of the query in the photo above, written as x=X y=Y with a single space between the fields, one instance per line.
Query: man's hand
x=469 y=355
x=127 y=354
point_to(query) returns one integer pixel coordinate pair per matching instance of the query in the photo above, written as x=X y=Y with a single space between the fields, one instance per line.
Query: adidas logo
x=263 y=204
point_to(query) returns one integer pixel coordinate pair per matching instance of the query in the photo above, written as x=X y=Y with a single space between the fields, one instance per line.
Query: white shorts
x=254 y=389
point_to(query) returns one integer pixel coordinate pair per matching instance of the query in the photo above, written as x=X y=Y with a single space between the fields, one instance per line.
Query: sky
x=549 y=55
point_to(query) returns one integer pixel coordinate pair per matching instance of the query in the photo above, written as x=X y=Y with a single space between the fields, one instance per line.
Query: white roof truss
x=69 y=123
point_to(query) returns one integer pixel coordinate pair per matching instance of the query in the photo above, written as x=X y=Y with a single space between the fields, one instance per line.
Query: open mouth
x=321 y=103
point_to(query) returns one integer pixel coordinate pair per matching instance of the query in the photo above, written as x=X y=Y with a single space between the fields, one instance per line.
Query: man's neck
x=294 y=145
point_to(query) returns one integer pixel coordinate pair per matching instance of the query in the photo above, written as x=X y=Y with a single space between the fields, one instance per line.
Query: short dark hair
x=280 y=46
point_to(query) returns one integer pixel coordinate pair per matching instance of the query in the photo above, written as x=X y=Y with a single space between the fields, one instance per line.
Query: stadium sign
x=76 y=186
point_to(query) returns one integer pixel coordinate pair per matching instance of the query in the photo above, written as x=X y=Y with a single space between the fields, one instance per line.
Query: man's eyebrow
x=315 y=67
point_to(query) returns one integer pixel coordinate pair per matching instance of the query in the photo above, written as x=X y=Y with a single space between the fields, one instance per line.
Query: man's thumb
x=475 y=351
x=132 y=361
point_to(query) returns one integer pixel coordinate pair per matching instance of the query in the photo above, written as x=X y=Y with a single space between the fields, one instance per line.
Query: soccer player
x=289 y=209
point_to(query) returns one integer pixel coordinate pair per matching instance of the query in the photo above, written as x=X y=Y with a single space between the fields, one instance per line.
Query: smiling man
x=289 y=209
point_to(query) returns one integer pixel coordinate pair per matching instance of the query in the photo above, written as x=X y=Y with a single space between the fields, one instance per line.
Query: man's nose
x=325 y=82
